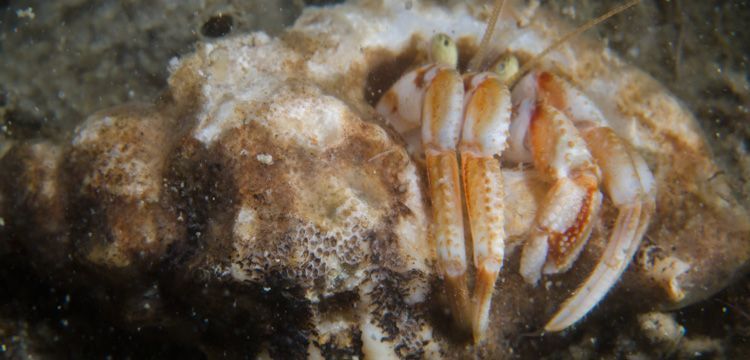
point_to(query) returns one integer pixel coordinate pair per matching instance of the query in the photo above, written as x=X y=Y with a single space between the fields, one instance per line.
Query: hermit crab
x=545 y=122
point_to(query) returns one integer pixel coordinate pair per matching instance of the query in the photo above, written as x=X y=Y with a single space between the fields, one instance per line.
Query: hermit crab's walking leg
x=563 y=222
x=629 y=184
x=484 y=135
x=441 y=126
x=627 y=181
x=438 y=91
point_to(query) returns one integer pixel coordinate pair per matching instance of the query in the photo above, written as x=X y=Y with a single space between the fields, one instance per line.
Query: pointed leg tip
x=624 y=241
x=554 y=326
x=485 y=286
x=531 y=278
x=533 y=258
x=479 y=336
x=480 y=326
x=458 y=297
x=563 y=319
x=480 y=322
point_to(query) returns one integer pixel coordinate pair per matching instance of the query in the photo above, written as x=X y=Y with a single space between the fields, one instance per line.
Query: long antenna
x=573 y=33
x=478 y=59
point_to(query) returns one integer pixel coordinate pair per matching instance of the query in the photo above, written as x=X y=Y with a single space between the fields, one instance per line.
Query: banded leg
x=484 y=135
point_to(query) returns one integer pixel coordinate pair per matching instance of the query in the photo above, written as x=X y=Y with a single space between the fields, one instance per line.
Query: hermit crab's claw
x=485 y=131
x=563 y=223
x=630 y=185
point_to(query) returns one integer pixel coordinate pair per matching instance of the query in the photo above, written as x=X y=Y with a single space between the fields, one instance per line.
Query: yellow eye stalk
x=443 y=50
x=506 y=67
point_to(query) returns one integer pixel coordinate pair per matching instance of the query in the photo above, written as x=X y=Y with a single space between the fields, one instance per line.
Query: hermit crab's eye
x=443 y=50
x=506 y=67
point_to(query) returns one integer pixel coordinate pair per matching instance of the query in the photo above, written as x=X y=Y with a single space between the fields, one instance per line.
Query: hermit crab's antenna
x=478 y=59
x=573 y=33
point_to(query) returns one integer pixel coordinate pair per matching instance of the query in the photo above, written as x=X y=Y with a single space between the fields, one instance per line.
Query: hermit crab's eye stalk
x=506 y=67
x=443 y=50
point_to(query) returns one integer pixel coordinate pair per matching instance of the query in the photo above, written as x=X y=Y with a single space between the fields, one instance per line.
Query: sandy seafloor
x=62 y=60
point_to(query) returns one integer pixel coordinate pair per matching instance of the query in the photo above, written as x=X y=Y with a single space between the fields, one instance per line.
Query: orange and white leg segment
x=430 y=100
x=442 y=112
x=484 y=136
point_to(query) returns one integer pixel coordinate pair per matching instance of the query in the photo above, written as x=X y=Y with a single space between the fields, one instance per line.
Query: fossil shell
x=263 y=190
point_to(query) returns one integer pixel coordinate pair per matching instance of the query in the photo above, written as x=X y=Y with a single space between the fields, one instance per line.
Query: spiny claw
x=563 y=226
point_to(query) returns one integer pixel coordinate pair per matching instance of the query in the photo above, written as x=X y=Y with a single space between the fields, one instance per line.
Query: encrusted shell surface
x=263 y=191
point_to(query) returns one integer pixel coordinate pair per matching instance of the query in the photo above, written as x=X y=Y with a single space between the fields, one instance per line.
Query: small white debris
x=661 y=328
x=265 y=159
x=671 y=268
x=27 y=13
x=634 y=52
x=174 y=63
x=569 y=11
x=702 y=346
x=523 y=18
